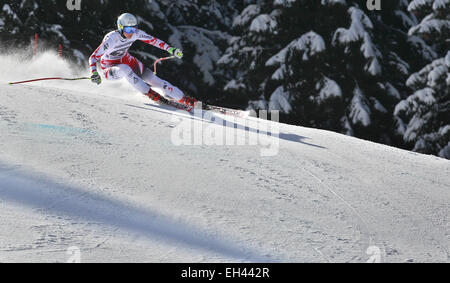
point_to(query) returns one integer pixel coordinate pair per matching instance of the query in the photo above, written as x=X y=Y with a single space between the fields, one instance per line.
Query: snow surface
x=95 y=168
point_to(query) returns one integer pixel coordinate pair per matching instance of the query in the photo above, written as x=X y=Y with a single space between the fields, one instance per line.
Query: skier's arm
x=98 y=53
x=144 y=37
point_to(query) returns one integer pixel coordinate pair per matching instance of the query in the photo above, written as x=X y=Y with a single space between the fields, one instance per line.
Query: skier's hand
x=176 y=52
x=95 y=78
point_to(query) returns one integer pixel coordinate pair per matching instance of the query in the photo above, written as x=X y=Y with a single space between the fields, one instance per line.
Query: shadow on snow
x=51 y=197
x=284 y=136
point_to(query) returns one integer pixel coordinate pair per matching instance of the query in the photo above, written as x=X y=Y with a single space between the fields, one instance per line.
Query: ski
x=227 y=111
x=153 y=95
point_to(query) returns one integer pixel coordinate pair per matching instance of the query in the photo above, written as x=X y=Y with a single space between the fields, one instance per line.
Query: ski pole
x=47 y=79
x=160 y=60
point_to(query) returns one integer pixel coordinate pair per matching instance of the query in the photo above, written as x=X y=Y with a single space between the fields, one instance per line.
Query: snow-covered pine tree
x=423 y=118
x=328 y=64
x=200 y=28
x=255 y=38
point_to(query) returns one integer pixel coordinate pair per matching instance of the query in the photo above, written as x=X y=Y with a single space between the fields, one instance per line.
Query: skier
x=116 y=63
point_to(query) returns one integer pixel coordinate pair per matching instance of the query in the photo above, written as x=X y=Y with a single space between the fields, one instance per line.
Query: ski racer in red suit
x=116 y=63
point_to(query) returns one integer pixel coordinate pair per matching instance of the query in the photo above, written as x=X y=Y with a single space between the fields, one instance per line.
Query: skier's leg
x=124 y=71
x=134 y=64
x=149 y=77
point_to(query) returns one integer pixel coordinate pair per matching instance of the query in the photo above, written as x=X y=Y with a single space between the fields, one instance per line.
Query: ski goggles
x=130 y=29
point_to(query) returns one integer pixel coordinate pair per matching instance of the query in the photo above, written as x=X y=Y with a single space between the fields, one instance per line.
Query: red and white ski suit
x=116 y=63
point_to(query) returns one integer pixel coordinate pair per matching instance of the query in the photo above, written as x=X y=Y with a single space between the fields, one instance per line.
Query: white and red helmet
x=126 y=20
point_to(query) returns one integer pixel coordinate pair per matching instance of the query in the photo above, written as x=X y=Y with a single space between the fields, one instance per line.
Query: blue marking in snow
x=61 y=129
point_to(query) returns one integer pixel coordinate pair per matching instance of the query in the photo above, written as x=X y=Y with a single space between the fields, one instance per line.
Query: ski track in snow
x=95 y=168
x=321 y=182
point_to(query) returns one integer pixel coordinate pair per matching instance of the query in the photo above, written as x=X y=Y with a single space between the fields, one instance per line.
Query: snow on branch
x=207 y=53
x=247 y=15
x=429 y=25
x=359 y=109
x=279 y=100
x=419 y=4
x=333 y=2
x=360 y=23
x=429 y=76
x=412 y=105
x=327 y=88
x=310 y=43
x=263 y=23
x=284 y=3
x=358 y=31
x=441 y=4
x=447 y=59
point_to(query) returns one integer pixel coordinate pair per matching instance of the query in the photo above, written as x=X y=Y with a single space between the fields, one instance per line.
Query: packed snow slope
x=95 y=169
